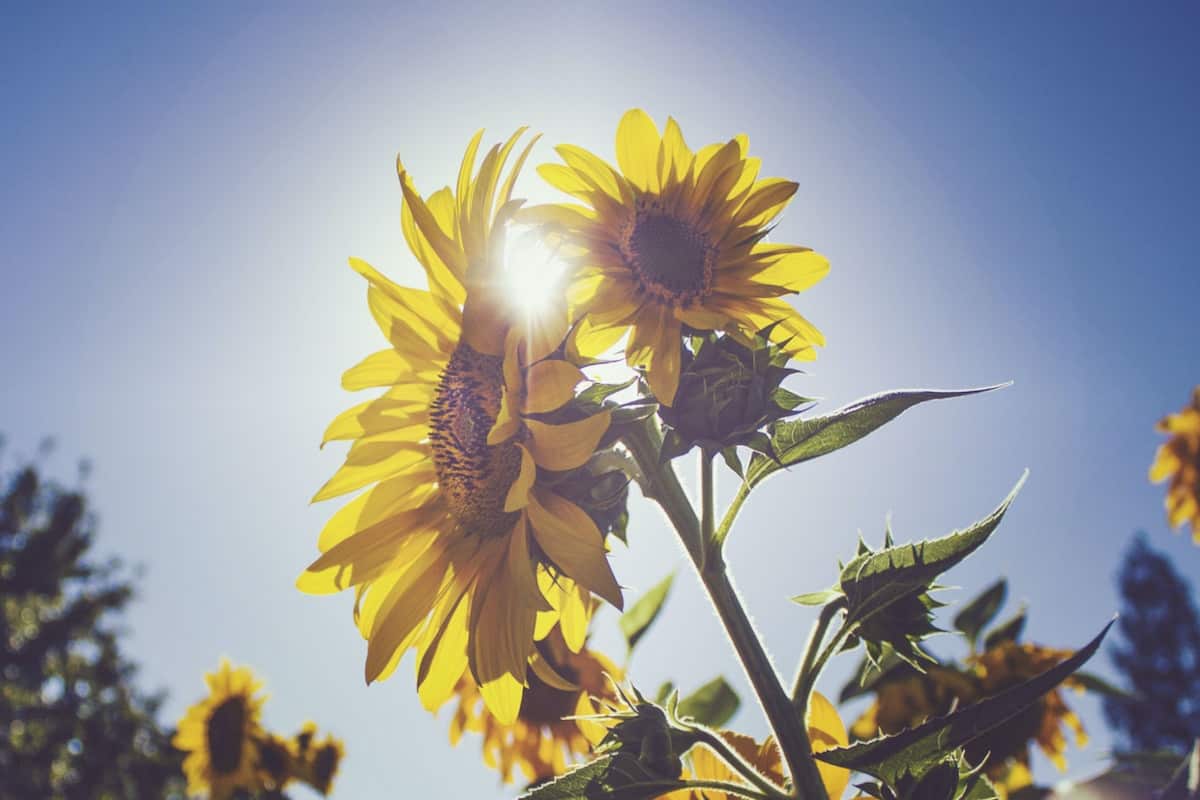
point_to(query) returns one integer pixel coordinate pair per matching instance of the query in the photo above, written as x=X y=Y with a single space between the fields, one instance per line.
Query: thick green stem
x=662 y=485
x=806 y=676
x=787 y=725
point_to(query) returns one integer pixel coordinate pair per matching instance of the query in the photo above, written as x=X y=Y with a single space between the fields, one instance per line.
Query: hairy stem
x=731 y=513
x=644 y=442
x=735 y=760
x=806 y=676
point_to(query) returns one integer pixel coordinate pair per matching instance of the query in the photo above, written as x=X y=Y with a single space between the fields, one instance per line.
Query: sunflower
x=276 y=760
x=540 y=742
x=908 y=699
x=321 y=764
x=1179 y=459
x=675 y=238
x=1006 y=665
x=825 y=730
x=219 y=734
x=459 y=548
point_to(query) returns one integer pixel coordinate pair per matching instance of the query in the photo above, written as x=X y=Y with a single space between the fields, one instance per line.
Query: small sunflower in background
x=825 y=731
x=905 y=699
x=219 y=734
x=230 y=754
x=675 y=238
x=319 y=762
x=1178 y=459
x=541 y=743
x=459 y=547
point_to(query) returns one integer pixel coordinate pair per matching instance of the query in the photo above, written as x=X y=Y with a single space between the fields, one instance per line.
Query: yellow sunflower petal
x=566 y=446
x=573 y=542
x=507 y=422
x=550 y=385
x=445 y=659
x=518 y=494
x=826 y=731
x=637 y=149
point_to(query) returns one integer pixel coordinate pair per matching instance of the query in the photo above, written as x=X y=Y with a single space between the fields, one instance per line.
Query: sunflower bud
x=729 y=390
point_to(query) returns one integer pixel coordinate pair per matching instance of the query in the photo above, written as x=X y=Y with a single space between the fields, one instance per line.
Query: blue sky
x=1005 y=193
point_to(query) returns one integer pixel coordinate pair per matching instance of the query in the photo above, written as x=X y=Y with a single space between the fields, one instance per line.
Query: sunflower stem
x=810 y=669
x=662 y=486
x=734 y=759
x=731 y=513
x=645 y=444
x=787 y=725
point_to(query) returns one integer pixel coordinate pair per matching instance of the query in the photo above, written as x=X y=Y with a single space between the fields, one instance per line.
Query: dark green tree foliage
x=1159 y=655
x=72 y=724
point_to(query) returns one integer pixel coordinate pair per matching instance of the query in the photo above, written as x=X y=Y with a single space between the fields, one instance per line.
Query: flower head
x=220 y=732
x=1178 y=459
x=905 y=698
x=459 y=548
x=542 y=742
x=675 y=238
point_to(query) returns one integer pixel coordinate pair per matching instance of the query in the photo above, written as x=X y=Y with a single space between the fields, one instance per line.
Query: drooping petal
x=550 y=385
x=566 y=446
x=518 y=494
x=573 y=542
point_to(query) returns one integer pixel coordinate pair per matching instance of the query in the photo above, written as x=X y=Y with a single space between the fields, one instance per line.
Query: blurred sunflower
x=276 y=762
x=320 y=766
x=540 y=742
x=909 y=698
x=455 y=548
x=1179 y=460
x=219 y=734
x=825 y=730
x=676 y=238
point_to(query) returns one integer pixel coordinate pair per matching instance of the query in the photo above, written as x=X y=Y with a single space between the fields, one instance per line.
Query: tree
x=1159 y=655
x=72 y=723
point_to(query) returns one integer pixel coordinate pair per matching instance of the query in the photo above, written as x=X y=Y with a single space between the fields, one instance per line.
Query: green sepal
x=817 y=598
x=641 y=615
x=979 y=613
x=1008 y=631
x=1094 y=683
x=802 y=440
x=713 y=704
x=732 y=460
x=891 y=757
x=887 y=590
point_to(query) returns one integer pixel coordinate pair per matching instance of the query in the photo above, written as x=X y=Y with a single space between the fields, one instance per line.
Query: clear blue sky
x=1005 y=192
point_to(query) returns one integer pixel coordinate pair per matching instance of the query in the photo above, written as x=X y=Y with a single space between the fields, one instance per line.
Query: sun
x=533 y=274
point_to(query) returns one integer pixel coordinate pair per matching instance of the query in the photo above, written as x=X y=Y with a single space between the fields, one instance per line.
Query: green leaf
x=1094 y=683
x=890 y=757
x=979 y=613
x=637 y=620
x=817 y=598
x=616 y=776
x=1185 y=785
x=713 y=704
x=874 y=581
x=801 y=440
x=1007 y=631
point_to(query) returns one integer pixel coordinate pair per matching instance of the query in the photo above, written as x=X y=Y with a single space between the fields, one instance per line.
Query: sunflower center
x=474 y=476
x=672 y=260
x=226 y=728
x=542 y=704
